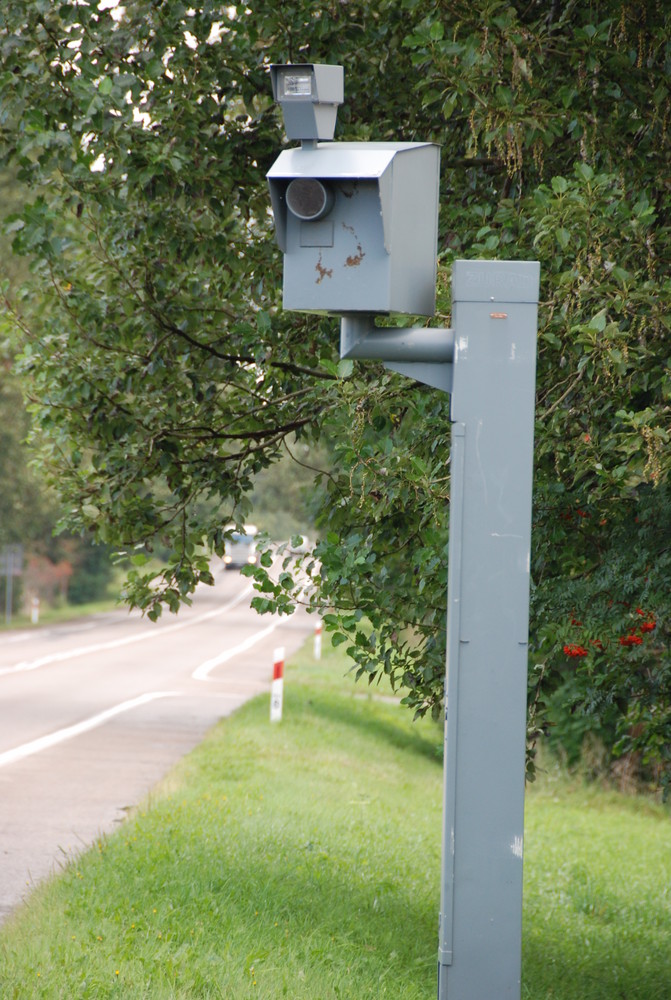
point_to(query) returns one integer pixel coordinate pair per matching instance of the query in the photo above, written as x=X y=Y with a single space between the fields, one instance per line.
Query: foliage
x=24 y=511
x=13 y=269
x=282 y=495
x=92 y=573
x=165 y=377
x=29 y=510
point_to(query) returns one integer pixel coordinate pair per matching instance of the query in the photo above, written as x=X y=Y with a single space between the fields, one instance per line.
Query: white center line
x=201 y=672
x=45 y=742
x=156 y=633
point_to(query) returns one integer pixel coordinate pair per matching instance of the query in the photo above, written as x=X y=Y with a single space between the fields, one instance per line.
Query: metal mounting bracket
x=421 y=353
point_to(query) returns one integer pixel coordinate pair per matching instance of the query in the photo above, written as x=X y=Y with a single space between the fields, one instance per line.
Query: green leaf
x=584 y=171
x=598 y=321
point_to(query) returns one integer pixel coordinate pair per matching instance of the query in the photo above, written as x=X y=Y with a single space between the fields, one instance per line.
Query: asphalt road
x=94 y=713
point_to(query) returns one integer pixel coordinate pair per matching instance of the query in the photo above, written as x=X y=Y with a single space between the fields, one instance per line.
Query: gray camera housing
x=358 y=225
x=309 y=95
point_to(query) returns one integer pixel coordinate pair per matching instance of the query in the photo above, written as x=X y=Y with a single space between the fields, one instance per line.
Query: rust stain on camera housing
x=355 y=259
x=322 y=272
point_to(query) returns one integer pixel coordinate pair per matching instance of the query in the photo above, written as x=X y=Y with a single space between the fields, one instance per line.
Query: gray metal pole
x=488 y=364
x=495 y=323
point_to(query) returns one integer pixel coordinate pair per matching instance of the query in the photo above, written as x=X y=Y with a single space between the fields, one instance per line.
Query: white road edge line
x=43 y=661
x=45 y=742
x=201 y=672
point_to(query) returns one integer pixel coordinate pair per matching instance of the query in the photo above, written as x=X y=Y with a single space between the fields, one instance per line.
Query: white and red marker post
x=277 y=688
x=317 y=652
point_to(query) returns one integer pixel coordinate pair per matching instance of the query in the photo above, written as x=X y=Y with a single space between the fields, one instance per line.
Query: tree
x=283 y=493
x=165 y=377
x=29 y=509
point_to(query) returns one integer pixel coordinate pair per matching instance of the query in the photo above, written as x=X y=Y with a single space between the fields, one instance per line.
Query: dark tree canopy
x=164 y=375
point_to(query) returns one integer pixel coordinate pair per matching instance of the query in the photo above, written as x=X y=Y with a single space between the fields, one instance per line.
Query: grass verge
x=302 y=860
x=597 y=896
x=61 y=614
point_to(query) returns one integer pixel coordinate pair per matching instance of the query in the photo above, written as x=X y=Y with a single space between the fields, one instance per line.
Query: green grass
x=597 y=916
x=302 y=860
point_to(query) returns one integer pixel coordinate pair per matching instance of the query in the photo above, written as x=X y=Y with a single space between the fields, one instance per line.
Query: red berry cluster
x=634 y=636
x=571 y=513
x=572 y=649
x=649 y=624
x=630 y=639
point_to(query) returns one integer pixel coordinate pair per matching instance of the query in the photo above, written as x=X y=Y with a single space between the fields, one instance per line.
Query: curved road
x=94 y=713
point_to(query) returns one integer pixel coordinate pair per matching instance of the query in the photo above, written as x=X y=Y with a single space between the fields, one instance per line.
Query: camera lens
x=309 y=199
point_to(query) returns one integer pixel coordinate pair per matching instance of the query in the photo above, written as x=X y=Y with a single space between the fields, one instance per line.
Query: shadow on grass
x=589 y=970
x=304 y=905
x=220 y=909
x=395 y=735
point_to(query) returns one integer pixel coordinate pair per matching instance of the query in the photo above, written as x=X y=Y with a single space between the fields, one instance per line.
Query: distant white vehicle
x=240 y=548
